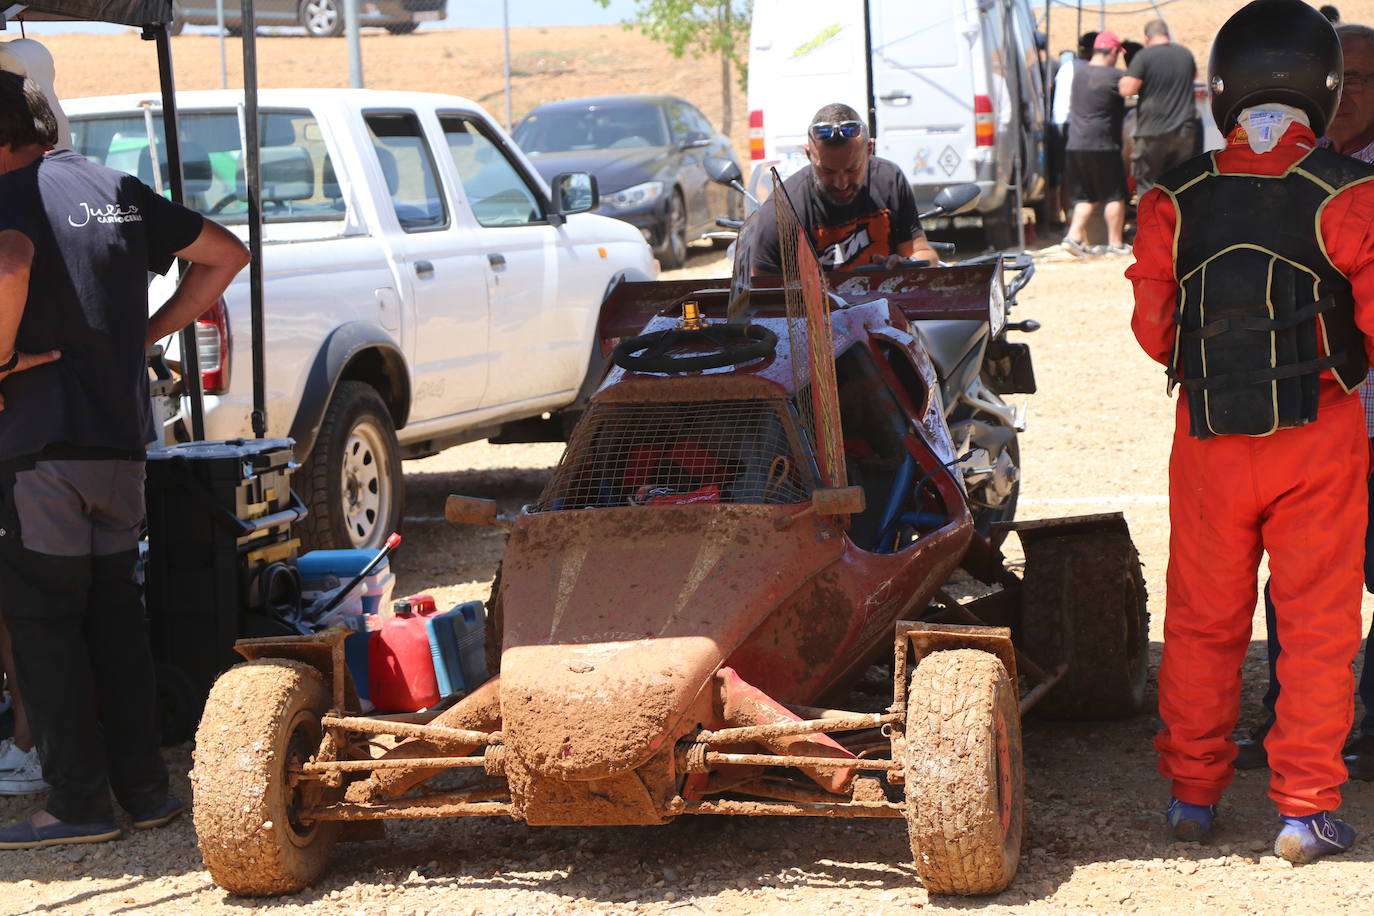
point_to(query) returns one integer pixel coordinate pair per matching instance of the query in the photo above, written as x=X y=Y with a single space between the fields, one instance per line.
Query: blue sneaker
x=24 y=835
x=1303 y=839
x=1191 y=823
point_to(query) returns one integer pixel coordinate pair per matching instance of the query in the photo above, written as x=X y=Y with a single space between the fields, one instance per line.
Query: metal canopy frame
x=153 y=17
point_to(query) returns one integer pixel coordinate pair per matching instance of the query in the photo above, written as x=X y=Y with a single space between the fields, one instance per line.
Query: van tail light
x=212 y=348
x=756 y=134
x=983 y=130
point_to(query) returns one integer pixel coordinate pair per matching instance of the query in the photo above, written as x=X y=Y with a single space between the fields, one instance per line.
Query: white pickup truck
x=422 y=285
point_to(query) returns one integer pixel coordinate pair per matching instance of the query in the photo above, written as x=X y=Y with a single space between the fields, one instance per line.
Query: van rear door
x=923 y=89
x=802 y=54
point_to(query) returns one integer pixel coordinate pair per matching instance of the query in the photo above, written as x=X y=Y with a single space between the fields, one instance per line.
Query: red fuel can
x=400 y=665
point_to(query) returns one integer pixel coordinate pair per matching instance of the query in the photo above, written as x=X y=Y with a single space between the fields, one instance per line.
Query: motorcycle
x=975 y=362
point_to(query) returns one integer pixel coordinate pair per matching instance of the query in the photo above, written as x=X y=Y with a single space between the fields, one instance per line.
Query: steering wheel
x=734 y=344
x=224 y=202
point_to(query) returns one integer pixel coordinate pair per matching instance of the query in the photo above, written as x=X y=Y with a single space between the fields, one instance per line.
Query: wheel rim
x=366 y=485
x=321 y=16
x=301 y=794
x=677 y=228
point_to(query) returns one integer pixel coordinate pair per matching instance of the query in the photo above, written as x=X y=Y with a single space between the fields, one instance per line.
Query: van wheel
x=999 y=226
x=352 y=479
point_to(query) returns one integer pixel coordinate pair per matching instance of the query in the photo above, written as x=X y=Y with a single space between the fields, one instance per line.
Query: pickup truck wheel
x=673 y=252
x=402 y=28
x=352 y=480
x=321 y=18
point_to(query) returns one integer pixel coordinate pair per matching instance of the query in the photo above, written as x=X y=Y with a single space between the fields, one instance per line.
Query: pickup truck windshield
x=298 y=181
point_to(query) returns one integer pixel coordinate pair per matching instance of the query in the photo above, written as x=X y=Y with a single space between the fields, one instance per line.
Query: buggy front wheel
x=965 y=782
x=261 y=722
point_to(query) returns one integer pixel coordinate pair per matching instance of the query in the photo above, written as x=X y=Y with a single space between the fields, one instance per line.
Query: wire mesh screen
x=678 y=454
x=810 y=338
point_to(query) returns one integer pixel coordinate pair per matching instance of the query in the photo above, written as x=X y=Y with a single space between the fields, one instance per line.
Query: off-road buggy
x=750 y=514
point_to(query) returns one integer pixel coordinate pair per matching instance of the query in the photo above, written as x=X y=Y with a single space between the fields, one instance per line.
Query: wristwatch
x=10 y=363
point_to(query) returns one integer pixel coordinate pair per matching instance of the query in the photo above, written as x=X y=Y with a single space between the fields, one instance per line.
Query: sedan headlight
x=633 y=197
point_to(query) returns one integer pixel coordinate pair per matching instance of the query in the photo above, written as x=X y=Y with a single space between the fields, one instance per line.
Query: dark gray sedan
x=646 y=152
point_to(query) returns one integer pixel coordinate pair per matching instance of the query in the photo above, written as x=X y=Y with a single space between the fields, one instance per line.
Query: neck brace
x=1265 y=125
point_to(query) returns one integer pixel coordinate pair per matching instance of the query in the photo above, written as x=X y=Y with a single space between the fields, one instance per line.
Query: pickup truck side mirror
x=574 y=192
x=722 y=171
x=696 y=140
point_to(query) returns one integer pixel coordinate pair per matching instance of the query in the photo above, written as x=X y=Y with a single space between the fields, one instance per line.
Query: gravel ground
x=1097 y=441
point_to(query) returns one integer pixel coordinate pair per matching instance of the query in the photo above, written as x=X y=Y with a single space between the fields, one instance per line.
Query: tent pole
x=251 y=158
x=190 y=362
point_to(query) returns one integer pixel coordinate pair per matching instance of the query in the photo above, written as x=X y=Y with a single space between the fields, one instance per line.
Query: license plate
x=425 y=16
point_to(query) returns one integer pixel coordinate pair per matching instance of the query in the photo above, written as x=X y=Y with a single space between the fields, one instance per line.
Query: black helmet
x=1275 y=51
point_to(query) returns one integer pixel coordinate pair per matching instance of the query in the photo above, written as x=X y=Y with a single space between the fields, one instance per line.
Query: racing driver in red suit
x=1254 y=285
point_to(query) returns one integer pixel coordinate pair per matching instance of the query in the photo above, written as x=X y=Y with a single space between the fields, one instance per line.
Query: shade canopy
x=120 y=12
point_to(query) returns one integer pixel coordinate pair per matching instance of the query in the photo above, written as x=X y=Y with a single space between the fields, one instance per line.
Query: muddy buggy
x=758 y=504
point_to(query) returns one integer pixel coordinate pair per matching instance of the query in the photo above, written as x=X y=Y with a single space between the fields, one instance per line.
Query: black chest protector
x=1261 y=309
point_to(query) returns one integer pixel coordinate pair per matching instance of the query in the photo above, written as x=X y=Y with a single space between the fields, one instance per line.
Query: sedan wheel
x=321 y=18
x=674 y=251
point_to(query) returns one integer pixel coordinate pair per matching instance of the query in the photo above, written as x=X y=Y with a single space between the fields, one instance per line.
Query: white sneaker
x=26 y=779
x=11 y=757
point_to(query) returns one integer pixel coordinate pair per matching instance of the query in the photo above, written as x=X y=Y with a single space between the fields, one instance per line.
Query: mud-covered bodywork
x=718 y=556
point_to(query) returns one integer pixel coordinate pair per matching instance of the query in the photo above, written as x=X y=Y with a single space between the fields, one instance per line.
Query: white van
x=953 y=90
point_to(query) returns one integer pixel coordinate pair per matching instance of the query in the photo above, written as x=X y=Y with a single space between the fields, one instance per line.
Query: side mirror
x=722 y=171
x=575 y=192
x=469 y=510
x=957 y=198
x=838 y=500
x=696 y=140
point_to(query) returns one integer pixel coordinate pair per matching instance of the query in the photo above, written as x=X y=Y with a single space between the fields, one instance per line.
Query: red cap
x=1107 y=41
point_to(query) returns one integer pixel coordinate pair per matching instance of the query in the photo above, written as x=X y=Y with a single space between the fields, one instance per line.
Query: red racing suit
x=1300 y=495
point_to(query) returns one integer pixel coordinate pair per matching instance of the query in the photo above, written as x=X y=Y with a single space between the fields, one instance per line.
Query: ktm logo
x=846 y=250
x=857 y=241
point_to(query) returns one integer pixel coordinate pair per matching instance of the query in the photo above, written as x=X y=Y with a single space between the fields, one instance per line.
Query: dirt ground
x=1097 y=441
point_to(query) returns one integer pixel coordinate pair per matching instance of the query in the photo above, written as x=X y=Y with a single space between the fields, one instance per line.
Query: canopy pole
x=171 y=128
x=251 y=159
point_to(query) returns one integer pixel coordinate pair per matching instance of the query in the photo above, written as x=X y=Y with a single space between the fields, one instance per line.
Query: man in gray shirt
x=1167 y=131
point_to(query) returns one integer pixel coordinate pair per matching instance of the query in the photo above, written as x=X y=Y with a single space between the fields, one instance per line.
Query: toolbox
x=220 y=562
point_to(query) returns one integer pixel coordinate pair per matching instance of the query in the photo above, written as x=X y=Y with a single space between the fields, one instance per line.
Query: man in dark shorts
x=76 y=243
x=1059 y=123
x=1093 y=171
x=858 y=209
x=1167 y=128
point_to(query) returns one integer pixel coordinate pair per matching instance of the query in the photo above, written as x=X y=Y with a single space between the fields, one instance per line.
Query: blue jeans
x=1365 y=686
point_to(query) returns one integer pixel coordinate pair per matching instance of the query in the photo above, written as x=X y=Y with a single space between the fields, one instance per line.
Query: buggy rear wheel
x=965 y=781
x=1083 y=602
x=262 y=720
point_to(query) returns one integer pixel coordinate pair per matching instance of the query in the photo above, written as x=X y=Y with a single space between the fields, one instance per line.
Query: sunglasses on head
x=835 y=131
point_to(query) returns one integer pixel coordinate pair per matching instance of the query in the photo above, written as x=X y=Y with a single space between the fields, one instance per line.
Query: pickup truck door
x=544 y=286
x=440 y=262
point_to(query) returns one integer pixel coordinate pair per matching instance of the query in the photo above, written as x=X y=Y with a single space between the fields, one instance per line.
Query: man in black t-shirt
x=1167 y=129
x=1093 y=172
x=857 y=209
x=76 y=243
